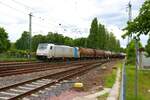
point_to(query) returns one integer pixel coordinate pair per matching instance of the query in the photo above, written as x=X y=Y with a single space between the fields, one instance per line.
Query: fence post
x=123 y=83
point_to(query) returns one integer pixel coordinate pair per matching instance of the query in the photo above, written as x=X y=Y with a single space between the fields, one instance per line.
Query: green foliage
x=100 y=38
x=55 y=38
x=147 y=47
x=4 y=42
x=36 y=40
x=80 y=42
x=109 y=78
x=23 y=42
x=143 y=83
x=12 y=47
x=16 y=55
x=131 y=54
x=93 y=37
x=103 y=97
x=141 y=24
x=122 y=50
x=68 y=41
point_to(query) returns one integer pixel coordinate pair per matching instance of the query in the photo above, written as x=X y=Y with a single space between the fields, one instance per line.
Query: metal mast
x=30 y=31
x=130 y=18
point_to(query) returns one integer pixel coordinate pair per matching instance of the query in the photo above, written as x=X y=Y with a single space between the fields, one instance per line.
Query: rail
x=59 y=76
x=7 y=71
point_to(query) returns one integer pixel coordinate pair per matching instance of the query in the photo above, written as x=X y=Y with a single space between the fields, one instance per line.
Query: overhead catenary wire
x=18 y=10
x=28 y=7
x=22 y=4
x=37 y=17
x=40 y=18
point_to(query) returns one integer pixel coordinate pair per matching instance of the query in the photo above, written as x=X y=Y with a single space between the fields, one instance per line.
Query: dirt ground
x=92 y=80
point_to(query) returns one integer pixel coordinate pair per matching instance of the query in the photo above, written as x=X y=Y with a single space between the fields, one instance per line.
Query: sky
x=68 y=17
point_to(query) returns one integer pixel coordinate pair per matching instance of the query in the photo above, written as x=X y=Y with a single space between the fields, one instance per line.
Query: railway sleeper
x=44 y=83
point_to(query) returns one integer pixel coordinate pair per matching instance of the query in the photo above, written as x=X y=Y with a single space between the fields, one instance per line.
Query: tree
x=55 y=38
x=23 y=42
x=101 y=36
x=118 y=48
x=92 y=38
x=141 y=24
x=114 y=43
x=131 y=50
x=80 y=42
x=4 y=42
x=68 y=41
x=147 y=47
x=36 y=40
x=122 y=50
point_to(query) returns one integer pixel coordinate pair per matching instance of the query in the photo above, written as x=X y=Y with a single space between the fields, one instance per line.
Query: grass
x=143 y=84
x=103 y=97
x=4 y=57
x=110 y=78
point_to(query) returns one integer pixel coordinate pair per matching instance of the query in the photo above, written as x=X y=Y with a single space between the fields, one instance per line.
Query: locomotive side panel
x=63 y=51
x=76 y=52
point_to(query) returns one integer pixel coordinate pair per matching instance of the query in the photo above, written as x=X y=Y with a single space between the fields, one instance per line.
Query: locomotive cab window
x=42 y=46
x=51 y=47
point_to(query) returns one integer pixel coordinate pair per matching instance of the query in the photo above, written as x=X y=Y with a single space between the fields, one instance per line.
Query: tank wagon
x=100 y=53
x=52 y=51
x=87 y=53
x=107 y=54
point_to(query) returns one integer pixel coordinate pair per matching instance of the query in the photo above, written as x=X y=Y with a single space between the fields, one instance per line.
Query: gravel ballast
x=93 y=81
x=9 y=80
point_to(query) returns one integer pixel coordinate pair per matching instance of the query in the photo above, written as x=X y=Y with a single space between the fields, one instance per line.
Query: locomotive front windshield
x=42 y=46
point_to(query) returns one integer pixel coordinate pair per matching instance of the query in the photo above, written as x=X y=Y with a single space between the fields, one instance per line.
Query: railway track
x=11 y=64
x=26 y=88
x=14 y=64
x=29 y=68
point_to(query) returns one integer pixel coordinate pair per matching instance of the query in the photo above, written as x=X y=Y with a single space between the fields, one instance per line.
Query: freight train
x=52 y=51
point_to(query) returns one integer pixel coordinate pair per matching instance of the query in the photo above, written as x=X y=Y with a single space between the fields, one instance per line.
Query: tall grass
x=143 y=83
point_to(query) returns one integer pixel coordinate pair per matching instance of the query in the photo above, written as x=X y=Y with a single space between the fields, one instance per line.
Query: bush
x=131 y=52
x=18 y=54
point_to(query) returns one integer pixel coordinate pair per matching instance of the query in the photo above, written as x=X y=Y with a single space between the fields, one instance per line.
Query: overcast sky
x=68 y=17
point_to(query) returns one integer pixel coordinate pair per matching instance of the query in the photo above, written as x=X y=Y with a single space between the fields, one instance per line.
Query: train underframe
x=44 y=58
